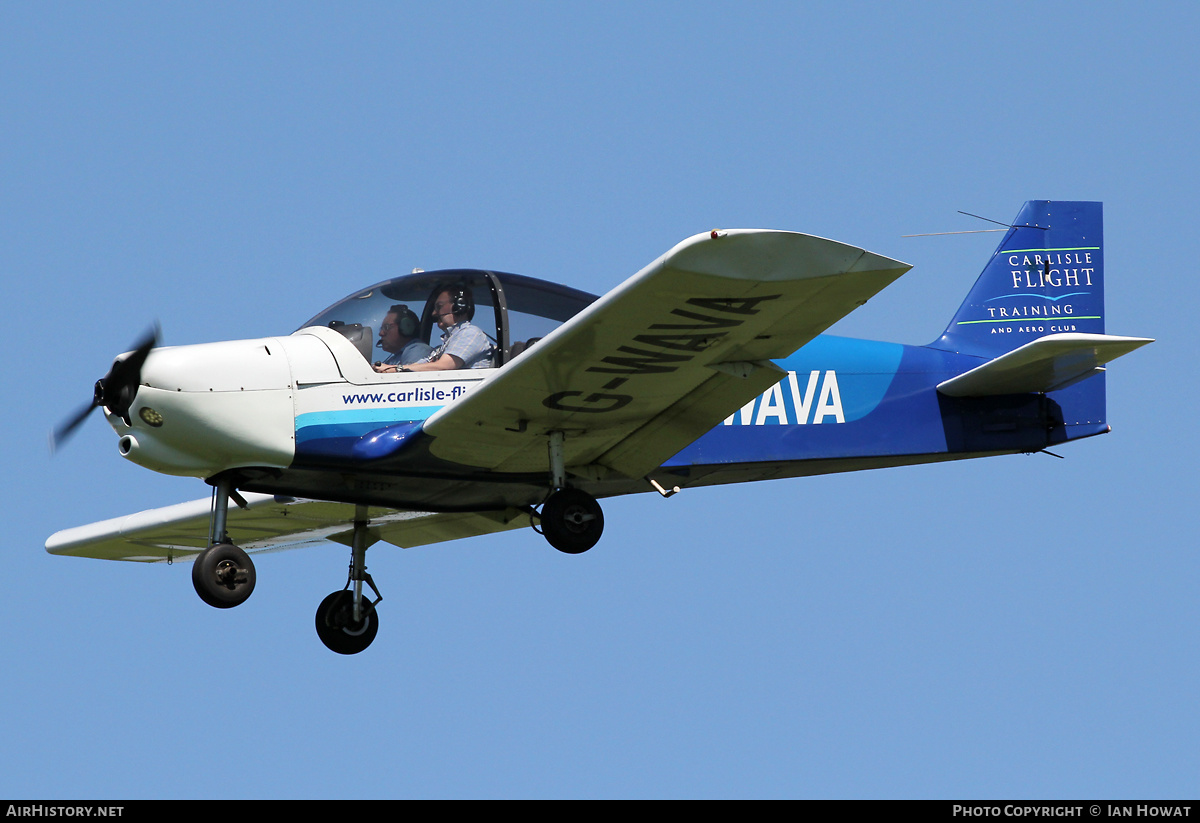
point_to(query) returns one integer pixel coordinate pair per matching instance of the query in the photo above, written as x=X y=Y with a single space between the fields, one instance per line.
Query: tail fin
x=1037 y=313
x=1045 y=277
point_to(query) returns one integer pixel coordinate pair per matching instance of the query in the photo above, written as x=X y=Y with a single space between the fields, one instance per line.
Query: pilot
x=398 y=337
x=464 y=346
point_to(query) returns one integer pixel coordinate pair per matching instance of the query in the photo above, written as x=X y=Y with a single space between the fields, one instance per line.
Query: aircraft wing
x=664 y=357
x=267 y=524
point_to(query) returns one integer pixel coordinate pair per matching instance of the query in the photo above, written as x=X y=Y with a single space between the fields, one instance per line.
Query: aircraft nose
x=202 y=409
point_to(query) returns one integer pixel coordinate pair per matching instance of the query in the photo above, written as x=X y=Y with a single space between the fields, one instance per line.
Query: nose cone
x=202 y=409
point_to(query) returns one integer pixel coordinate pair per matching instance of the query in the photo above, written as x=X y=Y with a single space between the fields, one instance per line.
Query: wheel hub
x=228 y=574
x=223 y=575
x=578 y=516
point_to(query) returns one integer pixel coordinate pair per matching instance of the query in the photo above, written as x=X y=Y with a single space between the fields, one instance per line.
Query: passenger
x=464 y=346
x=398 y=337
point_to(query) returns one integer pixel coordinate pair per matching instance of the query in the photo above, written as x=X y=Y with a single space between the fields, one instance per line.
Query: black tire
x=336 y=626
x=223 y=576
x=572 y=521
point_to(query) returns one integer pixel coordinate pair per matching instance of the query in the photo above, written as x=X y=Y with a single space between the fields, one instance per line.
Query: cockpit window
x=513 y=311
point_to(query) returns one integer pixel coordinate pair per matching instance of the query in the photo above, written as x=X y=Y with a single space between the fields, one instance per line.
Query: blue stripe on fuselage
x=343 y=423
x=357 y=434
x=842 y=398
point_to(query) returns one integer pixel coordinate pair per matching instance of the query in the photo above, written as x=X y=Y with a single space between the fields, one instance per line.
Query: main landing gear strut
x=572 y=521
x=223 y=574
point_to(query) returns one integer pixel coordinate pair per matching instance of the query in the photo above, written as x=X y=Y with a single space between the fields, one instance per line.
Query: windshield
x=513 y=311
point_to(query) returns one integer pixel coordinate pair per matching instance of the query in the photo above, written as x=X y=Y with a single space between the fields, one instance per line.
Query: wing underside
x=267 y=524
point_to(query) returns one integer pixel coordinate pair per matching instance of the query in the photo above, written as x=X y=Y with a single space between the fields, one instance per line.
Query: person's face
x=389 y=334
x=443 y=310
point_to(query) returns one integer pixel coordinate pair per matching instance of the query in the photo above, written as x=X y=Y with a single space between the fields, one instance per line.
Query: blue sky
x=1018 y=626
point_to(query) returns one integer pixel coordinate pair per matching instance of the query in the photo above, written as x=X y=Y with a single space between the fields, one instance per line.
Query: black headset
x=406 y=320
x=462 y=301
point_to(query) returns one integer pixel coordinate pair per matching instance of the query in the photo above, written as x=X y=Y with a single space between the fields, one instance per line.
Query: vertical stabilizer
x=1045 y=277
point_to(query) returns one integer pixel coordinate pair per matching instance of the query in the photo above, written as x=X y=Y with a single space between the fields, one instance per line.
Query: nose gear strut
x=346 y=621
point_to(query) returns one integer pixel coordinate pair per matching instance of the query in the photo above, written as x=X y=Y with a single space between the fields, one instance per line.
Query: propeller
x=115 y=390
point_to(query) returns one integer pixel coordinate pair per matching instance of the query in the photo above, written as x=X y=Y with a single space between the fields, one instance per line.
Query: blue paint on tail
x=1045 y=277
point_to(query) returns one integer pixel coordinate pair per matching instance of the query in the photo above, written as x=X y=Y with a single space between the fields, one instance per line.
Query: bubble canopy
x=513 y=310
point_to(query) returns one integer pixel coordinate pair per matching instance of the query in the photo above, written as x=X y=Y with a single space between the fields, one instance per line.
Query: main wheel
x=223 y=576
x=572 y=521
x=336 y=625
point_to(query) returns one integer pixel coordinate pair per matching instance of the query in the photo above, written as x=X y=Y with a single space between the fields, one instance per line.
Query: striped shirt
x=468 y=343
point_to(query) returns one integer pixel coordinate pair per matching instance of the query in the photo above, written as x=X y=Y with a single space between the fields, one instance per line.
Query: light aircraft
x=706 y=367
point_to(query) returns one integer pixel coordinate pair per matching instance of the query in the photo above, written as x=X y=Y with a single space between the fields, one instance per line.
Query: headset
x=407 y=323
x=462 y=303
x=406 y=320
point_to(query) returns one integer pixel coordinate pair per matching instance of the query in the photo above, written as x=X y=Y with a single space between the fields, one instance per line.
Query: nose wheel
x=339 y=629
x=572 y=521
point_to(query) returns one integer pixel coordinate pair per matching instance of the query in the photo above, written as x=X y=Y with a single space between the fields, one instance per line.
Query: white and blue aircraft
x=706 y=367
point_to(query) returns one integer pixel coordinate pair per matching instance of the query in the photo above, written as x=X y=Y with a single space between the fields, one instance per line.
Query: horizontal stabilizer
x=1047 y=364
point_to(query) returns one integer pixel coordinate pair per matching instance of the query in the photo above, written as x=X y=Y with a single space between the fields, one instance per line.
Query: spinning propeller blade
x=115 y=390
